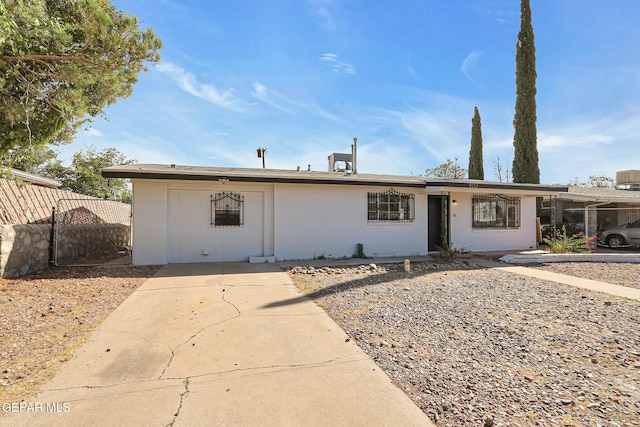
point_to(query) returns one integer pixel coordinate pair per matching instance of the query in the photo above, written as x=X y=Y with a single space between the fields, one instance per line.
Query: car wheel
x=616 y=241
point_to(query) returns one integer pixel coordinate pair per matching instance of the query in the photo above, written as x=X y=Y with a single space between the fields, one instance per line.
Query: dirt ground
x=45 y=316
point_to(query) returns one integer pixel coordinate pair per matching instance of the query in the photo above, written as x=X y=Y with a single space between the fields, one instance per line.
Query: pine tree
x=476 y=168
x=525 y=160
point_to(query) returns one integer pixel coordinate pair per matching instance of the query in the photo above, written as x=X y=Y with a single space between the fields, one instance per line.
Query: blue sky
x=301 y=78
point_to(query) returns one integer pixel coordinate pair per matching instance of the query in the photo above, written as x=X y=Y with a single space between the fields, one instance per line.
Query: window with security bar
x=391 y=206
x=227 y=209
x=496 y=211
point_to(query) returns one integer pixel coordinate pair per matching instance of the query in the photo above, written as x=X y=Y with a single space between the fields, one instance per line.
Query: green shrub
x=449 y=253
x=563 y=242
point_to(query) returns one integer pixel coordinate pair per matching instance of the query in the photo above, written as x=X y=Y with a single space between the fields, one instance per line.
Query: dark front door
x=438 y=215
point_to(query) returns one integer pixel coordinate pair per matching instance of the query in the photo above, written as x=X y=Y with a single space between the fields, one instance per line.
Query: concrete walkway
x=209 y=344
x=592 y=285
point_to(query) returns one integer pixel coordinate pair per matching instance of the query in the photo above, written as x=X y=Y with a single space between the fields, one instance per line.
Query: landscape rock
x=483 y=347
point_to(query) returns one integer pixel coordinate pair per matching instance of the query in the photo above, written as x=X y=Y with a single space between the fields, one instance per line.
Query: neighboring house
x=204 y=214
x=88 y=228
x=27 y=198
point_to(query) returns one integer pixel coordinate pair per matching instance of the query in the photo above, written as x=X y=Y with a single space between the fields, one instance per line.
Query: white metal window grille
x=391 y=206
x=227 y=209
x=496 y=211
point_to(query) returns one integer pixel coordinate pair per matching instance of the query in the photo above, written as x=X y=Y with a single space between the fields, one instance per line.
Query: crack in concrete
x=183 y=396
x=107 y=386
x=340 y=359
x=238 y=314
x=173 y=354
x=229 y=302
x=186 y=381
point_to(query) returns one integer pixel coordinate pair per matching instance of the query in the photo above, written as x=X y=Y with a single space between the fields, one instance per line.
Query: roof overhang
x=185 y=173
x=590 y=199
x=245 y=175
x=32 y=178
x=471 y=186
x=580 y=198
x=600 y=195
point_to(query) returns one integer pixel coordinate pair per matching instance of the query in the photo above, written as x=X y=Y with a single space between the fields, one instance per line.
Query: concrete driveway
x=218 y=344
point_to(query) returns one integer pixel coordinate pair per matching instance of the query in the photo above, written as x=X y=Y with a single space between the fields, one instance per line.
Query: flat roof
x=206 y=173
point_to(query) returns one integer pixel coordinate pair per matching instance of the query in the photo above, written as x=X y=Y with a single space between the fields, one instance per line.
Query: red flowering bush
x=560 y=242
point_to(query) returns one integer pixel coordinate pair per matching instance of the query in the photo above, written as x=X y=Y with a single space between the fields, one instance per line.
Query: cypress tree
x=525 y=160
x=476 y=168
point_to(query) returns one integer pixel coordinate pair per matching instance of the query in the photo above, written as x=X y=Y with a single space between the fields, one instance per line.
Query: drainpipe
x=586 y=214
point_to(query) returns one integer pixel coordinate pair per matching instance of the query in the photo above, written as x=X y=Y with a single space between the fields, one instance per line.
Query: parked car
x=622 y=235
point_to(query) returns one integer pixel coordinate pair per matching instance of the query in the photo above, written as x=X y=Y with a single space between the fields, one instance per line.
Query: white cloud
x=590 y=146
x=331 y=59
x=441 y=126
x=265 y=95
x=260 y=90
x=141 y=147
x=188 y=82
x=436 y=133
x=91 y=131
x=498 y=143
x=549 y=142
x=381 y=157
x=321 y=112
x=281 y=102
x=413 y=74
x=321 y=10
x=503 y=11
x=469 y=65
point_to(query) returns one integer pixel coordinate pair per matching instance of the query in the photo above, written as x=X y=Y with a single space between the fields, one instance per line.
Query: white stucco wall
x=171 y=223
x=149 y=227
x=316 y=221
x=192 y=238
x=463 y=235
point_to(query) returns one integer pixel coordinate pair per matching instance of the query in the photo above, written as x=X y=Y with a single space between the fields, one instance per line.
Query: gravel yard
x=45 y=316
x=482 y=347
x=626 y=274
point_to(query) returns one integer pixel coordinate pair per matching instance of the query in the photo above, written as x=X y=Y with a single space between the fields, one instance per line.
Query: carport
x=591 y=209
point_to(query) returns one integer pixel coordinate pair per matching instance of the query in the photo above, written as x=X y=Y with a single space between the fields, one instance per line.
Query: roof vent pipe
x=354 y=149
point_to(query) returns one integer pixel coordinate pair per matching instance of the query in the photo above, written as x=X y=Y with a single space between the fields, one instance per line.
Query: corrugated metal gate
x=91 y=232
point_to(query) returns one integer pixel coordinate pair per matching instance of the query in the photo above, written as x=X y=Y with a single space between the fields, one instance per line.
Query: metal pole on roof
x=261 y=152
x=354 y=155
